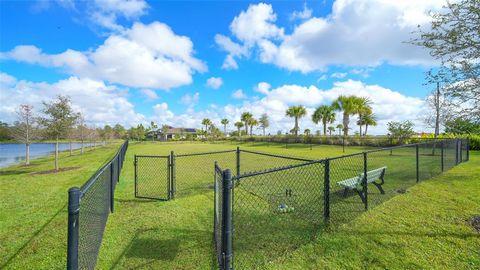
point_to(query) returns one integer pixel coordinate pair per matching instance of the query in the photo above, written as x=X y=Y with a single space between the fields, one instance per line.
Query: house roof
x=173 y=130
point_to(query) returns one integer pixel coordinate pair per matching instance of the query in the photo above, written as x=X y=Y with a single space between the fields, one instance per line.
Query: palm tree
x=326 y=114
x=296 y=112
x=340 y=128
x=348 y=105
x=246 y=116
x=369 y=120
x=239 y=125
x=331 y=129
x=363 y=108
x=225 y=123
x=206 y=122
x=306 y=132
x=264 y=122
x=252 y=122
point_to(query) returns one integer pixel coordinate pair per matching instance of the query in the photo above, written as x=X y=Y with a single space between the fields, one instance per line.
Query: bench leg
x=361 y=196
x=379 y=186
x=345 y=192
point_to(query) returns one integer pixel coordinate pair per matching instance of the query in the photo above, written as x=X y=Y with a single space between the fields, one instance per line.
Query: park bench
x=355 y=183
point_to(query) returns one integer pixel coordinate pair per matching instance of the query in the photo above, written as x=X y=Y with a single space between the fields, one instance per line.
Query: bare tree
x=23 y=128
x=81 y=130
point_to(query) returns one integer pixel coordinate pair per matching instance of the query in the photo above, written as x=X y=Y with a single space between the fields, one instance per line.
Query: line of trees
x=325 y=114
x=56 y=121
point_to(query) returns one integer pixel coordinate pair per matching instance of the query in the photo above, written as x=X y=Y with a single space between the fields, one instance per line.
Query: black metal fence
x=165 y=177
x=88 y=210
x=274 y=211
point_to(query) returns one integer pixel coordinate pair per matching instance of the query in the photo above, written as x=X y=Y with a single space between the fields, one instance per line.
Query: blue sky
x=135 y=61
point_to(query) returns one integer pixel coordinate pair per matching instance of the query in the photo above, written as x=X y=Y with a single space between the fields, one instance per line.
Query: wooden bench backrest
x=372 y=175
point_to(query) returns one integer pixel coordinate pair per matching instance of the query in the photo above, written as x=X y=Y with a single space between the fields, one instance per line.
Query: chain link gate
x=153 y=176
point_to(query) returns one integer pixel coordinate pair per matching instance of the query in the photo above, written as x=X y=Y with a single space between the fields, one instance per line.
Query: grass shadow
x=33 y=237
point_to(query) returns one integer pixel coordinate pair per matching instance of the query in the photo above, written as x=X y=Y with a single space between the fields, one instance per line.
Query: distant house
x=172 y=133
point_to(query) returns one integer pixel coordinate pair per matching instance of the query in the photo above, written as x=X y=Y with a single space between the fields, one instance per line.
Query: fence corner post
x=73 y=227
x=227 y=219
x=417 y=160
x=326 y=191
x=364 y=180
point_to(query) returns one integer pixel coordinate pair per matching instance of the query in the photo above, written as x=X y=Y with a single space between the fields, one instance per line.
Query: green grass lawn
x=424 y=228
x=33 y=214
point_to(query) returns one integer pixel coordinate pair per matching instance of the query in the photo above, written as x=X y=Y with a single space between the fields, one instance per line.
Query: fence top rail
x=389 y=148
x=150 y=156
x=205 y=153
x=277 y=169
x=276 y=155
x=86 y=186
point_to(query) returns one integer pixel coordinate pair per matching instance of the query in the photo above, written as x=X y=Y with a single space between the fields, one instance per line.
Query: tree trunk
x=263 y=132
x=225 y=129
x=296 y=126
x=81 y=147
x=366 y=128
x=239 y=134
x=346 y=120
x=246 y=128
x=324 y=128
x=56 y=154
x=27 y=154
x=360 y=130
x=71 y=148
x=251 y=130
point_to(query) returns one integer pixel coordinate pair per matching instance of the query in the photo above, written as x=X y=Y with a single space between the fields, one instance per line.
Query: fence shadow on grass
x=35 y=234
x=149 y=247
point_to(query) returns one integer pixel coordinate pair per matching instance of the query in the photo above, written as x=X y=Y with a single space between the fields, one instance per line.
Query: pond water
x=14 y=153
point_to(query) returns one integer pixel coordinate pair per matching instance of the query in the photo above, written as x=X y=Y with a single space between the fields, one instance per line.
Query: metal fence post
x=365 y=187
x=135 y=164
x=456 y=151
x=238 y=160
x=73 y=228
x=169 y=180
x=468 y=149
x=326 y=191
x=112 y=187
x=172 y=171
x=227 y=219
x=417 y=159
x=460 y=150
x=442 y=161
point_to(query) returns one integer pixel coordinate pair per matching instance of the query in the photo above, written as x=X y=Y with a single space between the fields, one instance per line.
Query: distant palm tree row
x=324 y=114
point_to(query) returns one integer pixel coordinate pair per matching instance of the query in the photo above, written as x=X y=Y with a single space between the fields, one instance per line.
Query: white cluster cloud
x=190 y=100
x=106 y=12
x=145 y=56
x=214 y=82
x=357 y=33
x=239 y=94
x=99 y=103
x=306 y=13
x=149 y=94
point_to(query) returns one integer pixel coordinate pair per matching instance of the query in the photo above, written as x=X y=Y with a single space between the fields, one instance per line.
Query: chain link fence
x=88 y=210
x=193 y=172
x=152 y=177
x=277 y=210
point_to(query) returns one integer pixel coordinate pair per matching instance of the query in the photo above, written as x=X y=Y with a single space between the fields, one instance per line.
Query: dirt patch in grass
x=54 y=171
x=475 y=222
